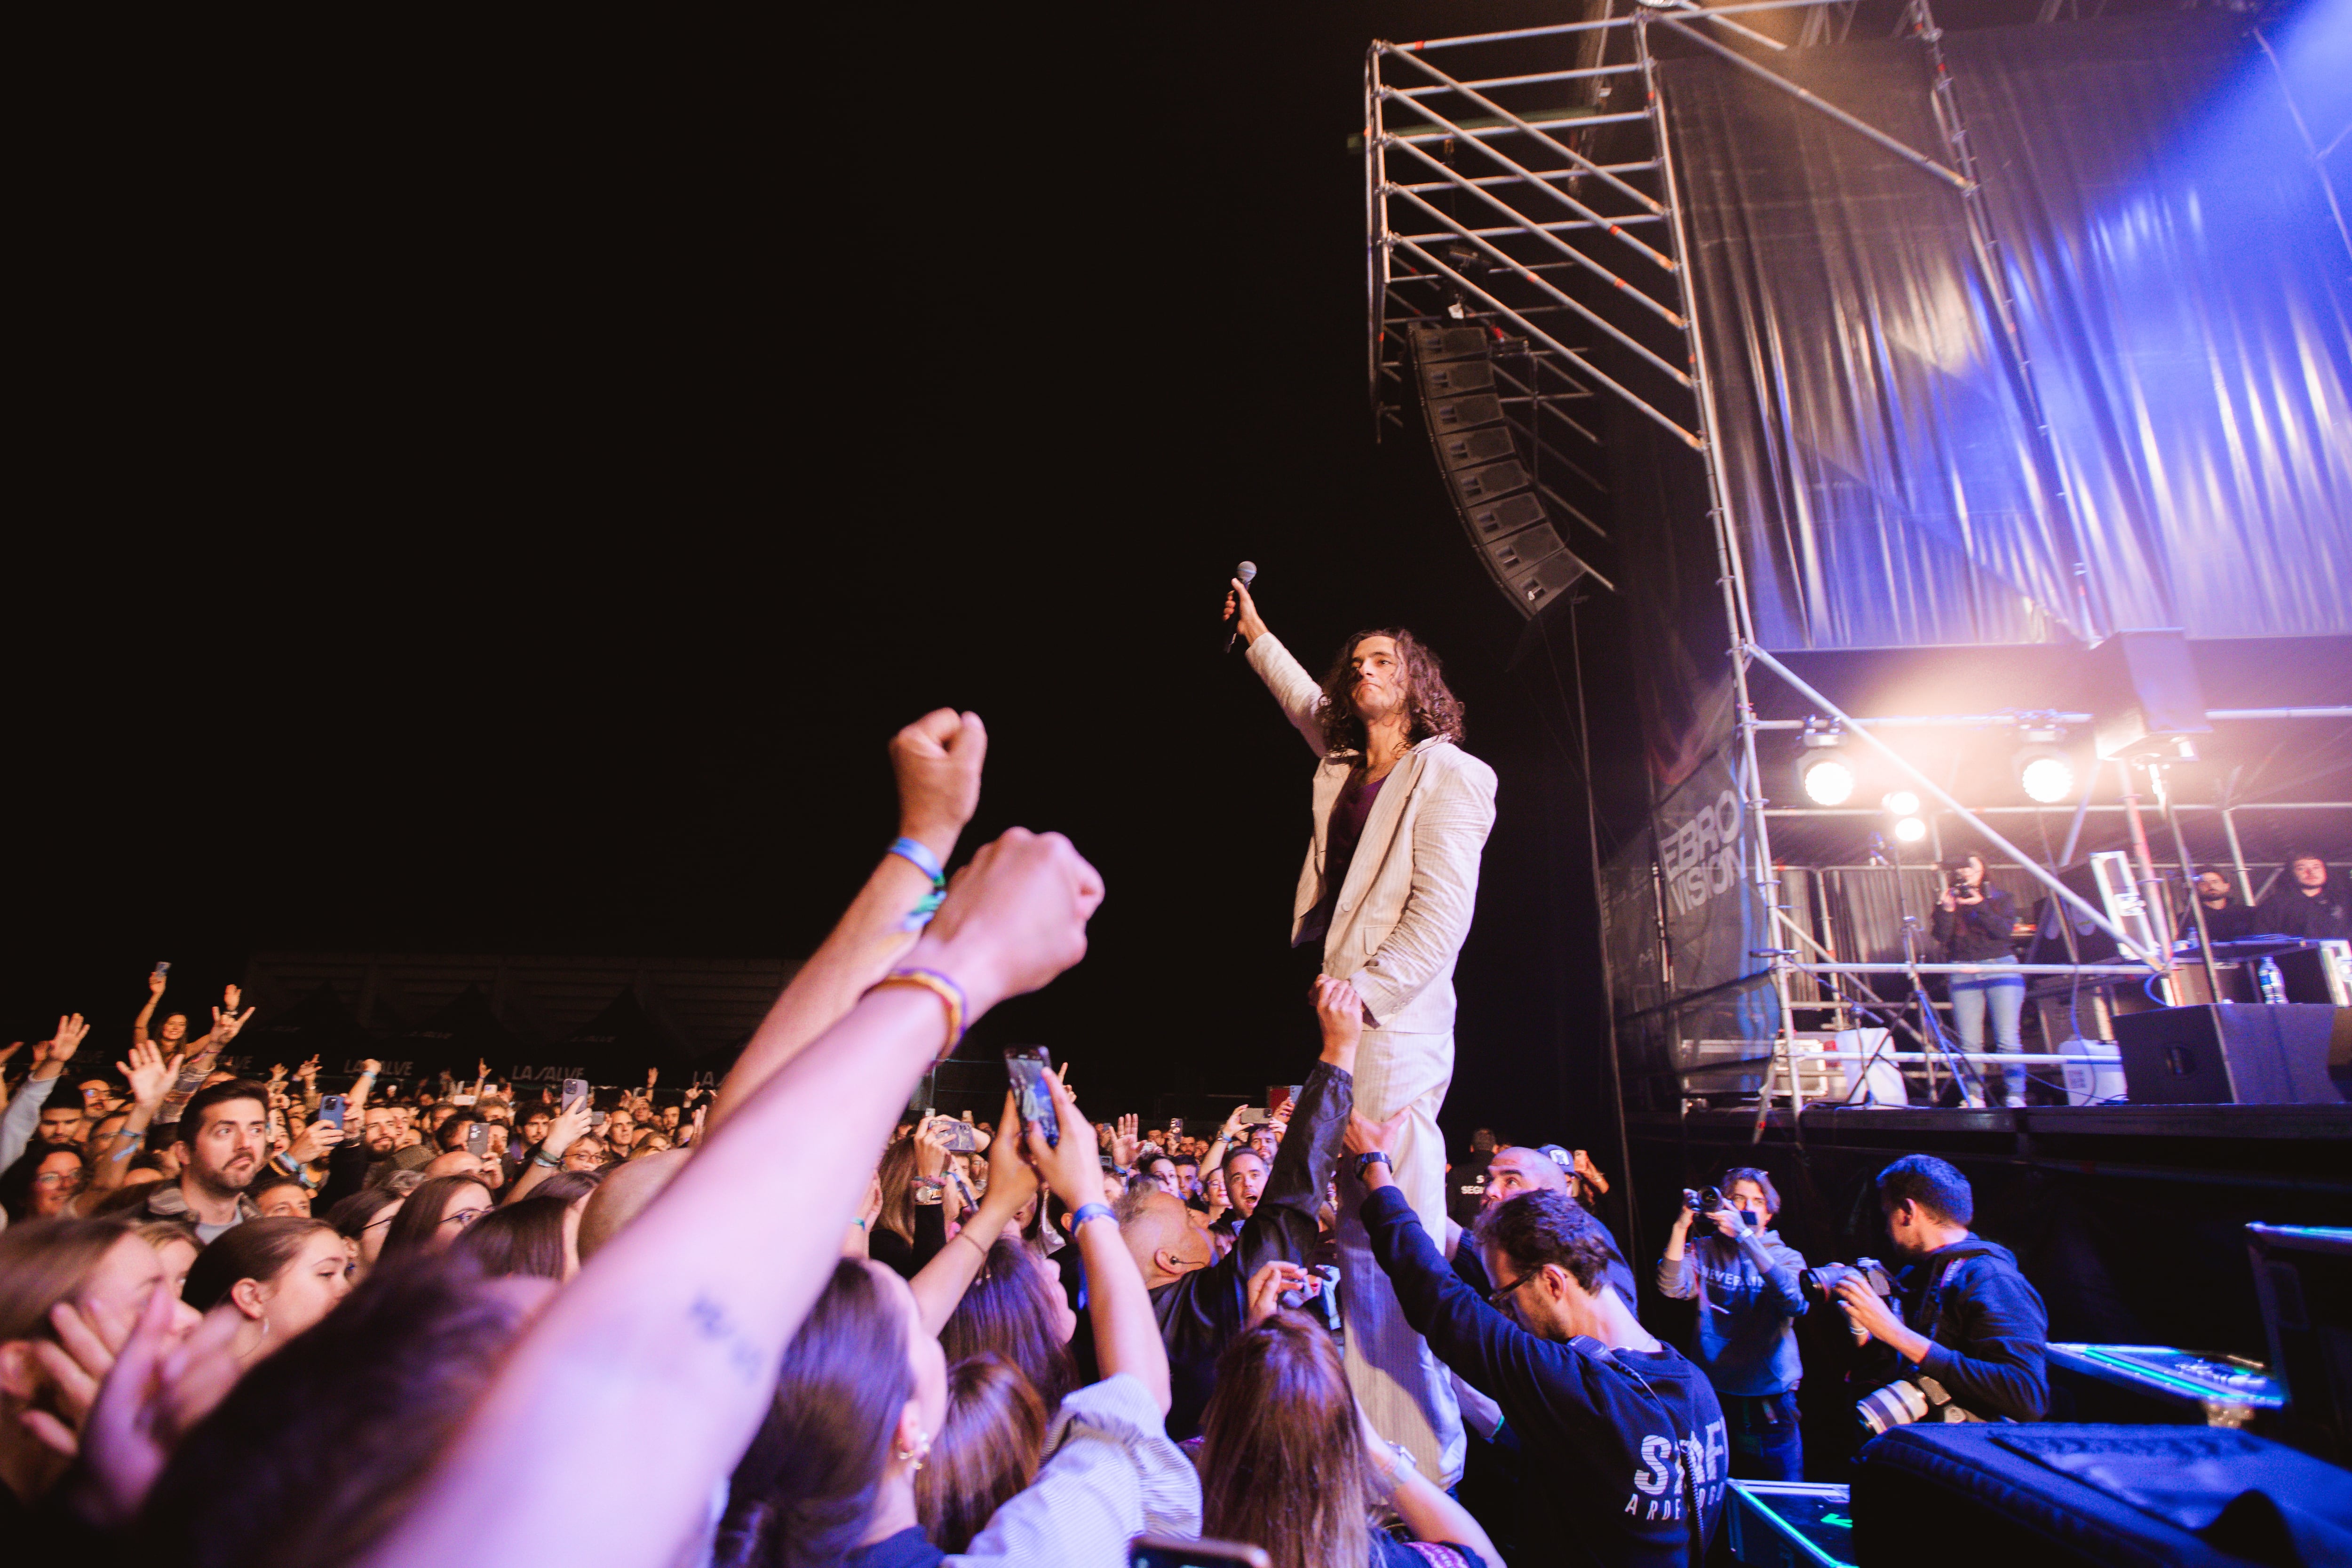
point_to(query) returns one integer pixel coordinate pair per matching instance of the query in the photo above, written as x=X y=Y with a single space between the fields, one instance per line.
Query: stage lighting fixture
x=1901 y=803
x=1827 y=776
x=2045 y=772
x=1910 y=830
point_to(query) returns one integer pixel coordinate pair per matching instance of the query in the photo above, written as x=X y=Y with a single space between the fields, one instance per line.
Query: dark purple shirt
x=1345 y=830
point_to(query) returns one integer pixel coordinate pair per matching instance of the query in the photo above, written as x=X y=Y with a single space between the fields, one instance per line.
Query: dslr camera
x=1912 y=1397
x=1820 y=1285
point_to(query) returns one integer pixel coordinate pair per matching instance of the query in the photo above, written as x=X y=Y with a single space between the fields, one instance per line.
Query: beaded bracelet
x=944 y=988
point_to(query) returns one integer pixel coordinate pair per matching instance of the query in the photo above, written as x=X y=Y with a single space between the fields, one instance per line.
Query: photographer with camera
x=1972 y=1330
x=1973 y=925
x=1744 y=1278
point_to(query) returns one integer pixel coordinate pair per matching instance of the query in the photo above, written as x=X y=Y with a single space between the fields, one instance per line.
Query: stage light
x=1910 y=830
x=2046 y=773
x=1827 y=776
x=1901 y=803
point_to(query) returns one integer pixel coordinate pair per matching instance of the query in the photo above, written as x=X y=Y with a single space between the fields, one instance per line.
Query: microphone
x=1247 y=573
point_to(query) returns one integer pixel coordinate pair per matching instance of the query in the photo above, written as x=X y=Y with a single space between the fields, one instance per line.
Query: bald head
x=622 y=1195
x=1160 y=1237
x=1519 y=1169
x=456 y=1162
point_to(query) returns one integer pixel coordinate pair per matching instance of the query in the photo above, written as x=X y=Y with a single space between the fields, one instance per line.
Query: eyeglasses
x=1496 y=1297
x=463 y=1218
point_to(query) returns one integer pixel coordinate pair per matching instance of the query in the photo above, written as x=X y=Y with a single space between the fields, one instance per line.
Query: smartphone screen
x=478 y=1139
x=330 y=1110
x=1027 y=1067
x=575 y=1089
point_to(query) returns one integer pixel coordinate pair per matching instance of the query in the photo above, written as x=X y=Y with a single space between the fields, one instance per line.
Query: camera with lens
x=1956 y=876
x=1821 y=1284
x=1707 y=1200
x=1916 y=1397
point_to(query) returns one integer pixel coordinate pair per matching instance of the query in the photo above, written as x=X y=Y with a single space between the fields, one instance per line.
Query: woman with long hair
x=435 y=1216
x=1015 y=1308
x=280 y=1276
x=1290 y=1464
x=986 y=1451
x=861 y=1403
x=538 y=1236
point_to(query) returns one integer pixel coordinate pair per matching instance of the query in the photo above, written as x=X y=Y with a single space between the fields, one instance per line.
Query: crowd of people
x=264 y=1321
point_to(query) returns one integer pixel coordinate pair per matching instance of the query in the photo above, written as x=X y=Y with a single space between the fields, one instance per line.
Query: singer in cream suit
x=1391 y=922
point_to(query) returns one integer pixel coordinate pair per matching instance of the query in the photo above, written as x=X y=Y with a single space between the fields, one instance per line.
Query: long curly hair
x=1430 y=709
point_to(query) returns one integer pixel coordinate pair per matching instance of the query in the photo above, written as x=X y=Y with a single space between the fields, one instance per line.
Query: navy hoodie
x=1613 y=1442
x=1989 y=1328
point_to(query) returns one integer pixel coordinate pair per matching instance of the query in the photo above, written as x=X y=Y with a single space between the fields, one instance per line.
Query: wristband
x=1086 y=1212
x=918 y=855
x=1370 y=1157
x=539 y=1157
x=949 y=994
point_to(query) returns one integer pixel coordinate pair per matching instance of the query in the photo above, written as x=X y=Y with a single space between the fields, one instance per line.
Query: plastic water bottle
x=2273 y=983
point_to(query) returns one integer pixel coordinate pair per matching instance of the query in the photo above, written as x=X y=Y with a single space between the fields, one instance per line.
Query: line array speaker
x=1485 y=463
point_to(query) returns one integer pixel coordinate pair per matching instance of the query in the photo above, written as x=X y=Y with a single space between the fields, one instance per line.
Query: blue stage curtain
x=2181 y=295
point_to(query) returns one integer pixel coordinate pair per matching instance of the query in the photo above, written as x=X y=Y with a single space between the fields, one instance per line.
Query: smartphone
x=575 y=1089
x=1254 y=1116
x=330 y=1110
x=162 y=967
x=1027 y=1067
x=959 y=1137
x=1175 y=1127
x=596 y=1123
x=1171 y=1551
x=478 y=1139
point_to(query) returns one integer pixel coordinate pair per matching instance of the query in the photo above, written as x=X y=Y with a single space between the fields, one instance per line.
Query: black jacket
x=1989 y=1327
x=1620 y=1443
x=2232 y=922
x=1201 y=1313
x=1977 y=933
x=2289 y=911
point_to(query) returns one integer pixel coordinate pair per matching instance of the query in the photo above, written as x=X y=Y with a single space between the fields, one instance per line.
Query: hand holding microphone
x=1241 y=610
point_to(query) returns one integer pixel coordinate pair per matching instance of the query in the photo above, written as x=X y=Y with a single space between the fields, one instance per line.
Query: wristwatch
x=1370 y=1157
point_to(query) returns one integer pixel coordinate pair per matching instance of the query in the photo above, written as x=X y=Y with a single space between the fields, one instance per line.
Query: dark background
x=500 y=492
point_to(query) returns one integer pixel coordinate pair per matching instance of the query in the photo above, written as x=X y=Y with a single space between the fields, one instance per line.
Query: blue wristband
x=924 y=860
x=1090 y=1211
x=920 y=855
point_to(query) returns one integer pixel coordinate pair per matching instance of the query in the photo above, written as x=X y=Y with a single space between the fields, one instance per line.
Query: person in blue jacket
x=1744 y=1278
x=1969 y=1319
x=1625 y=1454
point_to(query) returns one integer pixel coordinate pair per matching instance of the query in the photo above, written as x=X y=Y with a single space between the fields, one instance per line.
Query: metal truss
x=1538 y=202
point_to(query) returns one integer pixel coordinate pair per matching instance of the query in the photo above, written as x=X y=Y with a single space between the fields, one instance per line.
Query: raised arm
x=49 y=1059
x=154 y=996
x=1126 y=1335
x=1284 y=1225
x=1299 y=694
x=149 y=1076
x=940 y=1284
x=938 y=762
x=673 y=1332
x=1449 y=834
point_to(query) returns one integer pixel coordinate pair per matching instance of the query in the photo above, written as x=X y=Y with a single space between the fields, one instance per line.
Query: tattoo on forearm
x=711 y=1322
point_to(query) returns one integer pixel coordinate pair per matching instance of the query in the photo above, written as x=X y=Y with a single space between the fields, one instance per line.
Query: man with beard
x=1969 y=1319
x=223 y=1140
x=1400 y=814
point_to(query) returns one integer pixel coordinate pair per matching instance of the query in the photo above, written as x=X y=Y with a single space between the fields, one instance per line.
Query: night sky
x=505 y=491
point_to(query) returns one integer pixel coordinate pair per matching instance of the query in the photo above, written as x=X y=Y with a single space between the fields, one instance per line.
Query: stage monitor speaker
x=1489 y=464
x=2145 y=694
x=2229 y=1055
x=2303 y=1275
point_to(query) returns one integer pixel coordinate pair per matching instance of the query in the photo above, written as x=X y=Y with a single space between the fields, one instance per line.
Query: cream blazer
x=1405 y=907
